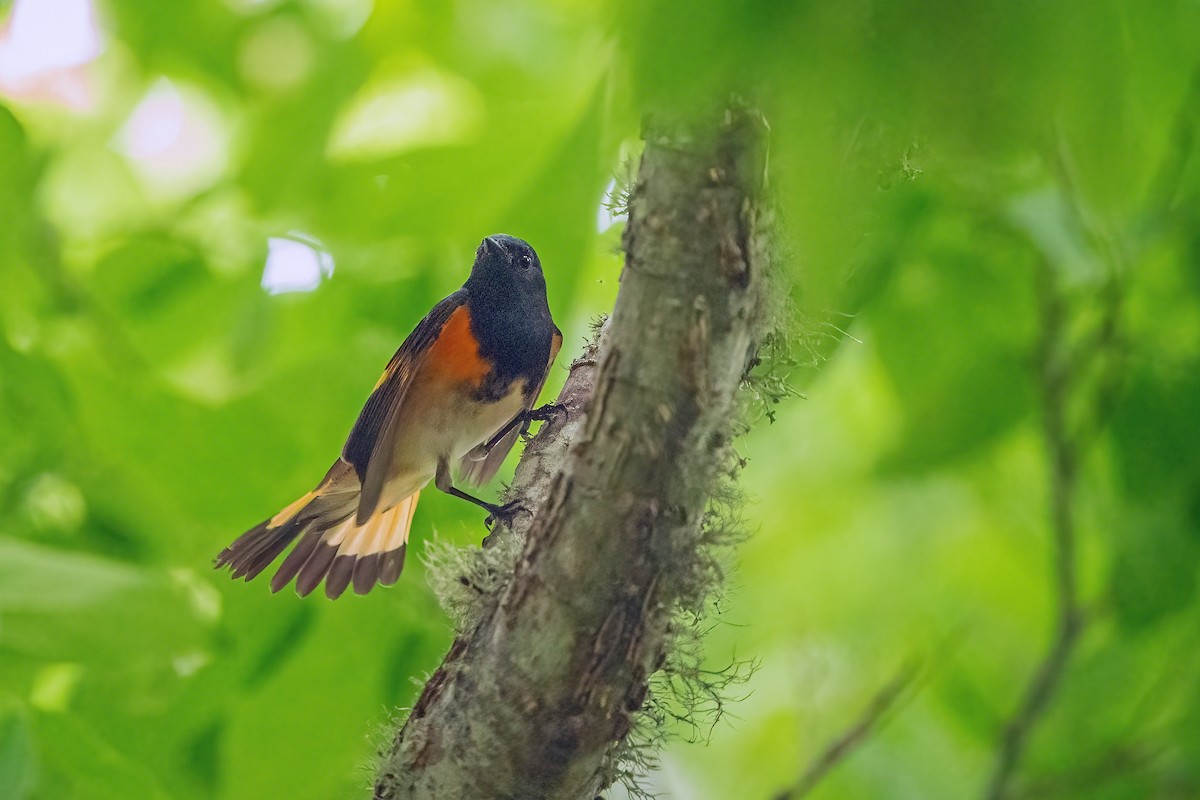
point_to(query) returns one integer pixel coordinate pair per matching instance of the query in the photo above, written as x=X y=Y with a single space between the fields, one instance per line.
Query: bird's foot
x=505 y=514
x=547 y=412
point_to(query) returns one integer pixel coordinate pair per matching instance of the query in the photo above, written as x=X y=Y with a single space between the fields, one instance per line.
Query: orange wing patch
x=454 y=355
x=291 y=510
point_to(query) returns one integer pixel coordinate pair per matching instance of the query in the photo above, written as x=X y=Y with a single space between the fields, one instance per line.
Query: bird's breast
x=454 y=357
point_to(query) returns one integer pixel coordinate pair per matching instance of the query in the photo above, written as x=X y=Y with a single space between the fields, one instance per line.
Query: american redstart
x=460 y=390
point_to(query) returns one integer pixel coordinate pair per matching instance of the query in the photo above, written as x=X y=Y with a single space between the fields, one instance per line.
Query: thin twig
x=1164 y=186
x=1061 y=452
x=1121 y=760
x=854 y=736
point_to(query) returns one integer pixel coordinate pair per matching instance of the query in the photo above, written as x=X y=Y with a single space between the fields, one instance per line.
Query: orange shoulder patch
x=454 y=355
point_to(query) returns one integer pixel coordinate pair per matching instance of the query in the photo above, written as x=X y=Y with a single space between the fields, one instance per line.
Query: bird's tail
x=331 y=547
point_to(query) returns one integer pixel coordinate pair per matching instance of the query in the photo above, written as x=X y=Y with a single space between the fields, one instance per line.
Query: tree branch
x=1056 y=372
x=854 y=736
x=552 y=666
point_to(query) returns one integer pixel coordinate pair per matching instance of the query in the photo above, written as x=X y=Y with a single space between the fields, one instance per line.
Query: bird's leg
x=504 y=513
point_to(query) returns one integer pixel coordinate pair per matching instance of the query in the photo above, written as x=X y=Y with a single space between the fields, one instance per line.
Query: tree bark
x=552 y=667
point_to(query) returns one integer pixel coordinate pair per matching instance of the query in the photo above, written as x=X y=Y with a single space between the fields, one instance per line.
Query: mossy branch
x=553 y=665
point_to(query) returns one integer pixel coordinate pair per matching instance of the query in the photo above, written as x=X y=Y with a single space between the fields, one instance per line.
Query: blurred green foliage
x=941 y=169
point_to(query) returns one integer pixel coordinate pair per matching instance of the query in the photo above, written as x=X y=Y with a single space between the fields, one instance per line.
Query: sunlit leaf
x=18 y=756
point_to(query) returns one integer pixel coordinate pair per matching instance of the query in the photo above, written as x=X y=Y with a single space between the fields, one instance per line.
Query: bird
x=459 y=391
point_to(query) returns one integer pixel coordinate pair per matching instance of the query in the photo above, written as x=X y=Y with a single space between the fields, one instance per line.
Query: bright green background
x=930 y=159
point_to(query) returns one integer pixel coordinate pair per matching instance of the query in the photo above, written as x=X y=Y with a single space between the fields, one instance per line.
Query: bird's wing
x=479 y=471
x=369 y=448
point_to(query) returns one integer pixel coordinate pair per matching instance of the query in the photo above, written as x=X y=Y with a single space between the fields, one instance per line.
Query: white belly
x=448 y=429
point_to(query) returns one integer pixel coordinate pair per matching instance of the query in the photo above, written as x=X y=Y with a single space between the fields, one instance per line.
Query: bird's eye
x=526 y=261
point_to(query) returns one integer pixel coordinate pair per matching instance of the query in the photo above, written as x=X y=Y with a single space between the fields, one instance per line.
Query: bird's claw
x=548 y=412
x=506 y=514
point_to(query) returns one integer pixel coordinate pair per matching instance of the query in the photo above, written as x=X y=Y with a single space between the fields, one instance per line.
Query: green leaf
x=954 y=331
x=1155 y=567
x=18 y=760
x=1156 y=430
x=322 y=703
x=79 y=762
x=61 y=606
